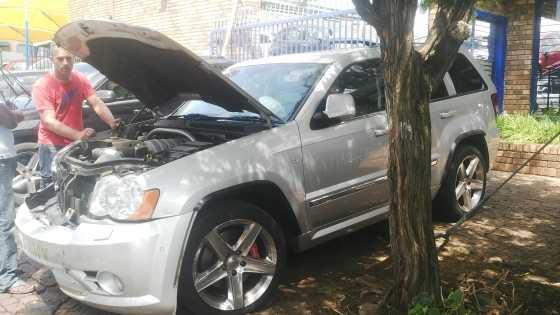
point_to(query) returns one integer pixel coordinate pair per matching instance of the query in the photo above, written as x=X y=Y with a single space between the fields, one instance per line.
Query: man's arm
x=48 y=118
x=9 y=119
x=102 y=111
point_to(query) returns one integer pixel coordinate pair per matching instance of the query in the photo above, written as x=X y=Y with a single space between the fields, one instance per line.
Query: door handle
x=380 y=132
x=449 y=114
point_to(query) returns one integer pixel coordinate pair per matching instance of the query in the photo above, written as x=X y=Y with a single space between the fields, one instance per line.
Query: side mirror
x=106 y=95
x=340 y=106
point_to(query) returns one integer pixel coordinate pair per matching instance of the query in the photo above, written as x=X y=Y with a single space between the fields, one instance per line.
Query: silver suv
x=194 y=211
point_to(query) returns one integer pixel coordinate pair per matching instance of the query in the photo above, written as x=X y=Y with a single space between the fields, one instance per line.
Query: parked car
x=549 y=58
x=297 y=39
x=195 y=211
x=13 y=84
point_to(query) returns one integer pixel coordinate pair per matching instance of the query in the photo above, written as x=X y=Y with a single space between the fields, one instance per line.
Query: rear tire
x=464 y=187
x=233 y=247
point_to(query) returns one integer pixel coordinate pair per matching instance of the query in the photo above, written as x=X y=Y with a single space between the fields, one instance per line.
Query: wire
x=457 y=225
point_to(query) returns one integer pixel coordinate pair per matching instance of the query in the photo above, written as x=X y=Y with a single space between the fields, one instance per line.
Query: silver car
x=193 y=212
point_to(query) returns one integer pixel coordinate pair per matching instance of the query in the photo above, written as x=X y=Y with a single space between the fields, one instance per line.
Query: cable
x=457 y=225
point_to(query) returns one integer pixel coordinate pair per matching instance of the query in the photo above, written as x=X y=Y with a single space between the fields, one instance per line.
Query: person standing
x=9 y=282
x=58 y=96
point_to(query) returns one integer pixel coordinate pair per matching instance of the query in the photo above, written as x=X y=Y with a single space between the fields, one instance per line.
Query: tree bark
x=413 y=253
x=409 y=75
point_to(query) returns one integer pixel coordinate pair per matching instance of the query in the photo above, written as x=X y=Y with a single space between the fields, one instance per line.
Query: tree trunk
x=413 y=253
x=409 y=76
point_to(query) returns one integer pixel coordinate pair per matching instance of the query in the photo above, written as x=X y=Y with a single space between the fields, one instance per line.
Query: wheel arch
x=267 y=196
x=476 y=138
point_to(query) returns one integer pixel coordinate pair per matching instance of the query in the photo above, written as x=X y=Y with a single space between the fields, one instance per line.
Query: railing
x=548 y=89
x=548 y=84
x=326 y=31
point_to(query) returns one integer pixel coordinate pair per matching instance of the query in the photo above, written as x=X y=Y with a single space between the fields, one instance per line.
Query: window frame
x=107 y=81
x=324 y=99
x=484 y=84
x=450 y=89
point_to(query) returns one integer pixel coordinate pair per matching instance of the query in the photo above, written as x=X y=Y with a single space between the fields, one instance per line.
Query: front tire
x=235 y=256
x=464 y=186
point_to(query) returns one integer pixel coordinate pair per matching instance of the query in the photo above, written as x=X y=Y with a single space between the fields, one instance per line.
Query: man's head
x=63 y=63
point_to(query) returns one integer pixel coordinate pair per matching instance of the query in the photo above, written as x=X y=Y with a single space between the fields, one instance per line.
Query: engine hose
x=170 y=131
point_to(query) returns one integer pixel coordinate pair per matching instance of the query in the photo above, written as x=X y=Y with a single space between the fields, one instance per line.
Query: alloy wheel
x=469 y=184
x=234 y=264
x=27 y=177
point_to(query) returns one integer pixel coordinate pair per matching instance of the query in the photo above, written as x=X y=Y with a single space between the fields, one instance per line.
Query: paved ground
x=512 y=247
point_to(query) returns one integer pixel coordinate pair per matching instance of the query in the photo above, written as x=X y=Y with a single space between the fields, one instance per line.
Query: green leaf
x=454 y=300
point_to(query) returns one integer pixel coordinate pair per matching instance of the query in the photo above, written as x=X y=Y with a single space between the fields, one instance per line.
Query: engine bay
x=129 y=150
x=153 y=152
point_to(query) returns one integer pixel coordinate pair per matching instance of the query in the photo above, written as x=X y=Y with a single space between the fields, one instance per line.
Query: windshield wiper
x=194 y=117
x=244 y=118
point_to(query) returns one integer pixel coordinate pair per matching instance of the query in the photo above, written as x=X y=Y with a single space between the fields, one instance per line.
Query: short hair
x=57 y=48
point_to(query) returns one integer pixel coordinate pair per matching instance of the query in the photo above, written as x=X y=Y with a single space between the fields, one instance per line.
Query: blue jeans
x=46 y=155
x=8 y=252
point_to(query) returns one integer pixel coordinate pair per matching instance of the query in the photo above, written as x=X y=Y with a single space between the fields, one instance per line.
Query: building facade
x=193 y=23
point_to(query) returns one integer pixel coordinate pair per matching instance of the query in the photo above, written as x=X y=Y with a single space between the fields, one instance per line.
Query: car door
x=456 y=112
x=345 y=161
x=123 y=106
x=439 y=106
x=450 y=111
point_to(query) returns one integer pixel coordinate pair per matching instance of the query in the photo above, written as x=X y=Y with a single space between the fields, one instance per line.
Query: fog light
x=110 y=283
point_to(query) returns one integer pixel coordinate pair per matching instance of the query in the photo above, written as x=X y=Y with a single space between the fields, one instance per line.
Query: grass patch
x=529 y=128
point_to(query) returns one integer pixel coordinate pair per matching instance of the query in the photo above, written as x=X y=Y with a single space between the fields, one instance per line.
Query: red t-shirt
x=66 y=99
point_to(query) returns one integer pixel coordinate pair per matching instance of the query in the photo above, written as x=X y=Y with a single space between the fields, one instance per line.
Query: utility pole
x=230 y=27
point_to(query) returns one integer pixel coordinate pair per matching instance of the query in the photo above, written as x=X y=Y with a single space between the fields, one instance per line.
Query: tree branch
x=370 y=11
x=447 y=33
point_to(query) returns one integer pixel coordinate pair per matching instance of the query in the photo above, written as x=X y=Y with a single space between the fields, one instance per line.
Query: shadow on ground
x=507 y=260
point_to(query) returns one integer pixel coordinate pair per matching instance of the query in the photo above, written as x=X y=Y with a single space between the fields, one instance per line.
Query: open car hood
x=152 y=66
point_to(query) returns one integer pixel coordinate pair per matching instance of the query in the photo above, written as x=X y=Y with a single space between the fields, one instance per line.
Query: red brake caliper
x=254 y=251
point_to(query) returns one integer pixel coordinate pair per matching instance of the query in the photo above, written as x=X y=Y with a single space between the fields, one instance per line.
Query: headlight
x=123 y=198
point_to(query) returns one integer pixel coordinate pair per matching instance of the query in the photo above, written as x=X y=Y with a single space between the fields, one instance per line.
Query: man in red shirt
x=58 y=97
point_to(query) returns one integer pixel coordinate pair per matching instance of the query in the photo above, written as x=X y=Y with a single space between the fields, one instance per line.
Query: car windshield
x=279 y=87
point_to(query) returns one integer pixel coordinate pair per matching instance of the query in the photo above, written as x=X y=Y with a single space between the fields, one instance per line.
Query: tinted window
x=464 y=76
x=120 y=92
x=439 y=91
x=364 y=81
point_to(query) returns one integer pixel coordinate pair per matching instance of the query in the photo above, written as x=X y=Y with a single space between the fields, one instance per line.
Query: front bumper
x=144 y=256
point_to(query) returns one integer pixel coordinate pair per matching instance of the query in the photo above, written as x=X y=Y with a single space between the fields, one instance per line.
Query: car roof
x=326 y=57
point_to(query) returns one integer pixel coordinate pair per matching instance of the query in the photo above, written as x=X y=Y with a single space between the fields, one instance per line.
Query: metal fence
x=326 y=31
x=548 y=83
x=548 y=90
x=481 y=44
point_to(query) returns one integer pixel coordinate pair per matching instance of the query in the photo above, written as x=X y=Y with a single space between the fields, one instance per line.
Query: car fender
x=272 y=155
x=451 y=136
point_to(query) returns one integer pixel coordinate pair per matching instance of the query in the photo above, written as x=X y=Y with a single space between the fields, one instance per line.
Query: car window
x=364 y=81
x=439 y=91
x=121 y=93
x=464 y=76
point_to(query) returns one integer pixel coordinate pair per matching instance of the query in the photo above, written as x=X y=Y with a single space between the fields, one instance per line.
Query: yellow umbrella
x=44 y=18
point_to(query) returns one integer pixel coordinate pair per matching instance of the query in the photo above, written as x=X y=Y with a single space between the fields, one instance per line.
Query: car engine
x=78 y=167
